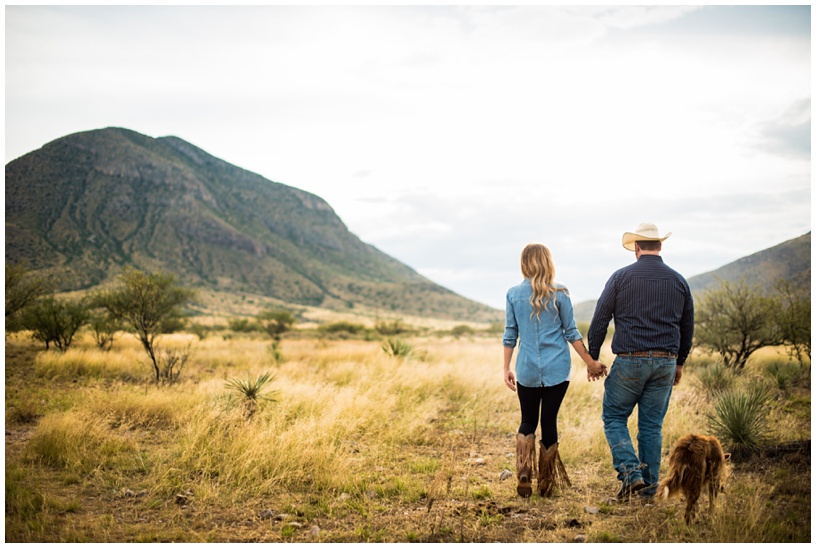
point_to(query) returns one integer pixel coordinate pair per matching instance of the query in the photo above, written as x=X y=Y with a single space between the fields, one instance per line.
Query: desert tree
x=276 y=321
x=736 y=320
x=148 y=303
x=22 y=289
x=792 y=315
x=103 y=326
x=53 y=320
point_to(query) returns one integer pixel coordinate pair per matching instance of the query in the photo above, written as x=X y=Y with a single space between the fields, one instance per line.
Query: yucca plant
x=740 y=418
x=252 y=391
x=397 y=348
x=785 y=373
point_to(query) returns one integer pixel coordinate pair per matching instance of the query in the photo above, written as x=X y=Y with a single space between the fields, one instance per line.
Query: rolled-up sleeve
x=510 y=337
x=567 y=314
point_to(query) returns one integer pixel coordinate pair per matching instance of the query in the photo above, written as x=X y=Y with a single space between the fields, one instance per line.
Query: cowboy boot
x=551 y=471
x=525 y=457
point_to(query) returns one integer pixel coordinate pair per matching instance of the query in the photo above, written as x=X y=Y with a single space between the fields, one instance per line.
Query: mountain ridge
x=85 y=205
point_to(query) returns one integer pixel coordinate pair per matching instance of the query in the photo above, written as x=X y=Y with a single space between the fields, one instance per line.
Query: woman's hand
x=510 y=380
x=595 y=370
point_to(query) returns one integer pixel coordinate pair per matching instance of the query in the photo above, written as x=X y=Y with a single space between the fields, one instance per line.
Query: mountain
x=86 y=205
x=789 y=260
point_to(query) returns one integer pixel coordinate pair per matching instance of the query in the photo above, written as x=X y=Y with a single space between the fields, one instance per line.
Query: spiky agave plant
x=252 y=391
x=397 y=348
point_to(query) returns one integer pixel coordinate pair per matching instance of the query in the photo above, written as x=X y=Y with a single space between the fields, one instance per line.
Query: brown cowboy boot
x=525 y=457
x=551 y=471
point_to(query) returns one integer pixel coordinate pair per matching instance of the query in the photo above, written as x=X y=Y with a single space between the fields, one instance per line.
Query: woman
x=539 y=312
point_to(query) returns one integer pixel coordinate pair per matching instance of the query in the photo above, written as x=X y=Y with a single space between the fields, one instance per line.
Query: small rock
x=314 y=531
x=295 y=524
x=282 y=517
x=579 y=538
x=266 y=514
x=480 y=461
x=505 y=474
x=181 y=498
x=129 y=493
x=591 y=510
x=344 y=496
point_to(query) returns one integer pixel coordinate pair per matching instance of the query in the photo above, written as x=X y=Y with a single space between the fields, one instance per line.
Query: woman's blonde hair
x=537 y=266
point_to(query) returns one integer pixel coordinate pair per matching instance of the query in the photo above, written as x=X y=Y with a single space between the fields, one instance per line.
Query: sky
x=450 y=137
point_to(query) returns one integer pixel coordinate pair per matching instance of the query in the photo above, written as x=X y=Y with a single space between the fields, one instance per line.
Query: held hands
x=595 y=370
x=510 y=380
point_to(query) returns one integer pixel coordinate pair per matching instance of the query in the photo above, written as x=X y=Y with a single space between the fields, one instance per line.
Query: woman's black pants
x=546 y=400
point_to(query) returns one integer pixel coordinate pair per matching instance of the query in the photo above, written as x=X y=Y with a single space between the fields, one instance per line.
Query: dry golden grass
x=356 y=446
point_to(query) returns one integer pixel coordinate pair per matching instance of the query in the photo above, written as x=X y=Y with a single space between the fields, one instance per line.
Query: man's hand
x=510 y=380
x=678 y=372
x=595 y=370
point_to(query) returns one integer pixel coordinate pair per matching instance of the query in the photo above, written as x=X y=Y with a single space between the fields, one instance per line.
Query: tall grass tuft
x=75 y=444
x=740 y=418
x=716 y=378
x=92 y=364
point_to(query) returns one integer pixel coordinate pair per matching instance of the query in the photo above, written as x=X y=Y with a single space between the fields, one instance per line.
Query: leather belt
x=649 y=354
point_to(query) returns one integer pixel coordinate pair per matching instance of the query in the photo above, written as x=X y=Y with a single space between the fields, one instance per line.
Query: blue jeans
x=647 y=383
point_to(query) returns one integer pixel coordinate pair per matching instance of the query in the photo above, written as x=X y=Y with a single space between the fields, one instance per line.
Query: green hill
x=789 y=260
x=84 y=206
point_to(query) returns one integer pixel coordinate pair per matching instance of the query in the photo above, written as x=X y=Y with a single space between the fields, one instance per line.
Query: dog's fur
x=695 y=461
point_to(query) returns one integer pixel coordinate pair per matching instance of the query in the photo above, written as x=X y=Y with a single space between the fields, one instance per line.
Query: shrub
x=55 y=321
x=104 y=328
x=390 y=328
x=243 y=325
x=462 y=330
x=341 y=329
x=740 y=417
x=276 y=321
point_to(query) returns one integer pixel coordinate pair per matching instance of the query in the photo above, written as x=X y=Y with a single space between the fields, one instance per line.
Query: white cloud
x=449 y=137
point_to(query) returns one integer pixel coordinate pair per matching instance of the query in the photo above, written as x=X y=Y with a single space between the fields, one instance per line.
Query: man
x=654 y=322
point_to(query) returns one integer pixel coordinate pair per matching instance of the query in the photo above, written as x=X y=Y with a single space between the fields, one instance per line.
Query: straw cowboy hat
x=644 y=232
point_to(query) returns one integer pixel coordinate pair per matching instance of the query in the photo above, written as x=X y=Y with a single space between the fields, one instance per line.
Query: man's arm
x=686 y=328
x=604 y=310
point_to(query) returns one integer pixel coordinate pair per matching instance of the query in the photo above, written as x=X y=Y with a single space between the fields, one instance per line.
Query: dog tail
x=670 y=485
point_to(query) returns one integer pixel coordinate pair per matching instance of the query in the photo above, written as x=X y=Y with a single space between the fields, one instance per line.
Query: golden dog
x=695 y=461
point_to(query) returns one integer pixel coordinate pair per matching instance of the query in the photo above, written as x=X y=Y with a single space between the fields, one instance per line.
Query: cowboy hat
x=645 y=232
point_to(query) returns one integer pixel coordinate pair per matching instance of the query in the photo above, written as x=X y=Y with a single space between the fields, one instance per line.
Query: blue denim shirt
x=543 y=358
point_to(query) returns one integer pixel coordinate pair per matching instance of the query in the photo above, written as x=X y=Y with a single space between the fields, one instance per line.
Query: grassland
x=353 y=445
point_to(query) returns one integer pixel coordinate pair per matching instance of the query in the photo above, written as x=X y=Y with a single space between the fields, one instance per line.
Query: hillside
x=789 y=260
x=86 y=205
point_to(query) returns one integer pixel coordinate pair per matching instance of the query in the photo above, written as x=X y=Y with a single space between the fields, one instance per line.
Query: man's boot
x=525 y=457
x=551 y=471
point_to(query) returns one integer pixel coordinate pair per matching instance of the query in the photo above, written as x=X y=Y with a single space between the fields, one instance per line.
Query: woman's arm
x=509 y=377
